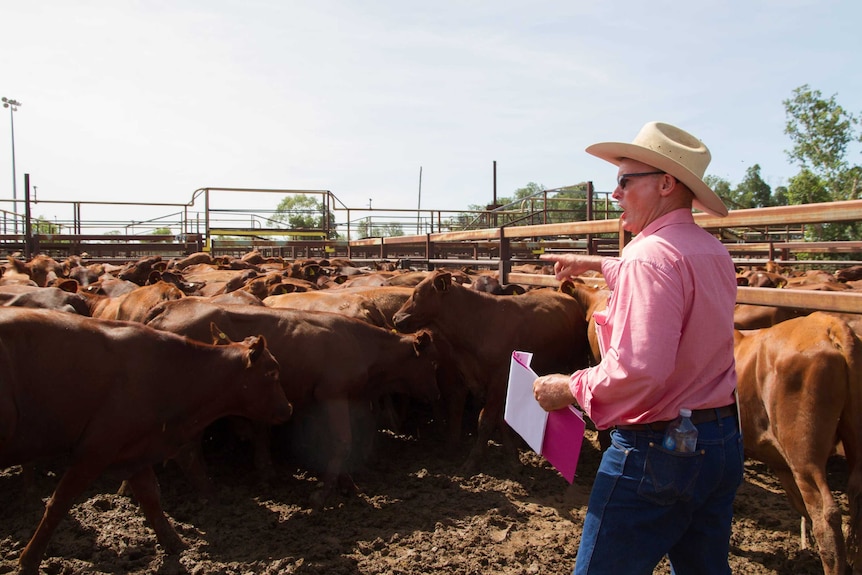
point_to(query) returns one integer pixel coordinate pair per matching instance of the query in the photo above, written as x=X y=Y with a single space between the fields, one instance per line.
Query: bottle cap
x=685 y=412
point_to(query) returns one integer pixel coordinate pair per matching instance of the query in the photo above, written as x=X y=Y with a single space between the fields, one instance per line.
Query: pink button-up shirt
x=667 y=334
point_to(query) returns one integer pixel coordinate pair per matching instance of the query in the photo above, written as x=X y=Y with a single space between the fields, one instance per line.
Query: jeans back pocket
x=669 y=476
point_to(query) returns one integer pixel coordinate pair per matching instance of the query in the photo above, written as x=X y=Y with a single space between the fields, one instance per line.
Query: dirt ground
x=416 y=514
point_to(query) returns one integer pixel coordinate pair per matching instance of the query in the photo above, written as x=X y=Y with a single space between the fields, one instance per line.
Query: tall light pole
x=13 y=107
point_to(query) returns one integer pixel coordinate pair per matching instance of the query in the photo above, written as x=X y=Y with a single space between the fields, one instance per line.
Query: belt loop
x=718 y=417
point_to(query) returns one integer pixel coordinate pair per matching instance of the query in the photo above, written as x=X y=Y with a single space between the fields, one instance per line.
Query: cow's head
x=424 y=304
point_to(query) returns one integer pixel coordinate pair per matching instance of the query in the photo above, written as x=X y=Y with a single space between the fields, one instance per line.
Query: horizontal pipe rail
x=843 y=302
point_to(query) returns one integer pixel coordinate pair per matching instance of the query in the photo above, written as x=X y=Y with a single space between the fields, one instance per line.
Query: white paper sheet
x=523 y=413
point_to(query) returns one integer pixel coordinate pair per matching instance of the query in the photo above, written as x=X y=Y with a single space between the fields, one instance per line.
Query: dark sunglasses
x=622 y=179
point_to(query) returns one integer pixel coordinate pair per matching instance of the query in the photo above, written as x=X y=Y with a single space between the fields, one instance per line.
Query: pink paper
x=561 y=446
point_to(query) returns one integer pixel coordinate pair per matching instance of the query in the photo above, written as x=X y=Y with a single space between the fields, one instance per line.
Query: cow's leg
x=483 y=434
x=71 y=485
x=338 y=419
x=825 y=518
x=850 y=433
x=190 y=458
x=854 y=498
x=454 y=398
x=491 y=419
x=262 y=446
x=854 y=503
x=794 y=497
x=145 y=487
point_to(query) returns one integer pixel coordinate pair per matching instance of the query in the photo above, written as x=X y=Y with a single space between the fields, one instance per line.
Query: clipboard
x=555 y=435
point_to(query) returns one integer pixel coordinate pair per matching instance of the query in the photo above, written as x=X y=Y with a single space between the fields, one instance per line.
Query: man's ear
x=668 y=184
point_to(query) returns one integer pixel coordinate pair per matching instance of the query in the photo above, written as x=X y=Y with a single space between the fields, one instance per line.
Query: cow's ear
x=422 y=340
x=256 y=347
x=567 y=287
x=17 y=265
x=219 y=337
x=68 y=285
x=443 y=281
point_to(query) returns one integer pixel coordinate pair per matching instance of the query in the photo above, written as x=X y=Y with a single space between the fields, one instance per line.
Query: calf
x=800 y=392
x=334 y=361
x=105 y=402
x=483 y=329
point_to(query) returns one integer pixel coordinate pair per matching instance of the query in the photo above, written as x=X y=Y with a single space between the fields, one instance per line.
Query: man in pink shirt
x=666 y=339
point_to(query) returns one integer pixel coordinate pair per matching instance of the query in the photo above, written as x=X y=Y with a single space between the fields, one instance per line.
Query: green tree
x=393 y=230
x=303 y=212
x=806 y=187
x=780 y=196
x=532 y=189
x=722 y=187
x=40 y=225
x=753 y=192
x=162 y=232
x=821 y=130
x=569 y=204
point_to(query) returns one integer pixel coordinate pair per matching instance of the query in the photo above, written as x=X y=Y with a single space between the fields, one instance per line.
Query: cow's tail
x=850 y=434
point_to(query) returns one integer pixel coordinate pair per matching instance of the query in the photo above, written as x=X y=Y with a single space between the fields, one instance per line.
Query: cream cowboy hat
x=670 y=150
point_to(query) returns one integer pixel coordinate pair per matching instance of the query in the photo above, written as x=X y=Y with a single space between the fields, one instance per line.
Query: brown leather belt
x=697 y=416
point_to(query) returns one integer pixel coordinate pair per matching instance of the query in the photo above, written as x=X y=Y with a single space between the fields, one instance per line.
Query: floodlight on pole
x=13 y=106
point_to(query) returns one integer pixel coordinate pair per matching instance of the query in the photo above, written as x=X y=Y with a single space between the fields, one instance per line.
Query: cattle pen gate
x=498 y=237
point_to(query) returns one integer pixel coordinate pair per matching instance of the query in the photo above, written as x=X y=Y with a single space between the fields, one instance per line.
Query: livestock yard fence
x=316 y=224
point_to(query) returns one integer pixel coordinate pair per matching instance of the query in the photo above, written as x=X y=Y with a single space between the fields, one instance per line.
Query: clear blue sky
x=151 y=100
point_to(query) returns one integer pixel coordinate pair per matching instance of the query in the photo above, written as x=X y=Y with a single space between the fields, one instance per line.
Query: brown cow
x=490 y=284
x=351 y=304
x=800 y=392
x=139 y=271
x=334 y=361
x=44 y=297
x=747 y=316
x=136 y=304
x=483 y=330
x=105 y=403
x=852 y=273
x=44 y=269
x=591 y=299
x=765 y=279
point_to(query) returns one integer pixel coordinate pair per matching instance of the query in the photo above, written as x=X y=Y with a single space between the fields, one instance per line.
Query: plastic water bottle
x=681 y=434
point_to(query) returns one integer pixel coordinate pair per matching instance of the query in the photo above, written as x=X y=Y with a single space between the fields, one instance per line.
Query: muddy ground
x=416 y=514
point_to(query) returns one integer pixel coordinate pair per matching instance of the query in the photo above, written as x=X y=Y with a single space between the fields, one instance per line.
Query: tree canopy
x=304 y=212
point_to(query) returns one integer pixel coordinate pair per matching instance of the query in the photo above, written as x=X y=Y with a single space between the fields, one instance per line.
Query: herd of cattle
x=326 y=343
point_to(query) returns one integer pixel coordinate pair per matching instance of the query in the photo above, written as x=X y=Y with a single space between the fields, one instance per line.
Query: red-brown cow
x=747 y=316
x=45 y=298
x=105 y=403
x=334 y=361
x=351 y=304
x=483 y=330
x=591 y=300
x=136 y=304
x=800 y=392
x=139 y=271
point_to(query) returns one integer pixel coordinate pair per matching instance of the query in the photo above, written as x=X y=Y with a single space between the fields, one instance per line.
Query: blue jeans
x=648 y=502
